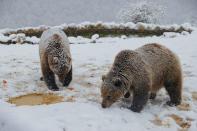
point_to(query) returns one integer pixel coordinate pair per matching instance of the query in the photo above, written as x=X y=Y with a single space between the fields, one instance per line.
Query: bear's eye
x=108 y=97
x=117 y=82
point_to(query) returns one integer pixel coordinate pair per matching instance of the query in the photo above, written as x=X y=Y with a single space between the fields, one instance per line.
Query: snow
x=19 y=38
x=3 y=38
x=20 y=67
x=33 y=39
x=94 y=38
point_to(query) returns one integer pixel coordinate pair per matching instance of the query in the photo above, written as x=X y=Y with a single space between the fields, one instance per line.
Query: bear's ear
x=103 y=77
x=117 y=82
x=55 y=60
x=69 y=60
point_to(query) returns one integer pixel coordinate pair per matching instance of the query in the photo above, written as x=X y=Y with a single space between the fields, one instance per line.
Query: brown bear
x=55 y=58
x=143 y=72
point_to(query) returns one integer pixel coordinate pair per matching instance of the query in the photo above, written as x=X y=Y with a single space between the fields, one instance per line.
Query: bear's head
x=112 y=89
x=59 y=63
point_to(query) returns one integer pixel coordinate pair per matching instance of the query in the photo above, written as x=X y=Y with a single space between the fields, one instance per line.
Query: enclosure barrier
x=21 y=35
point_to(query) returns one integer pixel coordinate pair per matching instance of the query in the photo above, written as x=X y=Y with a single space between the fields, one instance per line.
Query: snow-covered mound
x=31 y=34
x=81 y=110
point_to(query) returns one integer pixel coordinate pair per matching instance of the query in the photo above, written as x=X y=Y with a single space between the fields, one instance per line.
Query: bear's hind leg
x=174 y=89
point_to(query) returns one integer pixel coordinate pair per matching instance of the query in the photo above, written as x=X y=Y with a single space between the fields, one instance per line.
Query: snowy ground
x=81 y=111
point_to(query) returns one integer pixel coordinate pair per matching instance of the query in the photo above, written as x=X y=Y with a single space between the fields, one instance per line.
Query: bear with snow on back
x=143 y=72
x=55 y=58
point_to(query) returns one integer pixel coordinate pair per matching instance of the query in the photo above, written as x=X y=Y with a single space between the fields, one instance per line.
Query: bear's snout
x=103 y=105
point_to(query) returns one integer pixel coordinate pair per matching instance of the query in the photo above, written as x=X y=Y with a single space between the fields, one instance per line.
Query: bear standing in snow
x=55 y=58
x=143 y=72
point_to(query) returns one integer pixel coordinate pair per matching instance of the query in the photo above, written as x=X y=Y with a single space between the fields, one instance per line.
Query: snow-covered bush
x=192 y=20
x=146 y=12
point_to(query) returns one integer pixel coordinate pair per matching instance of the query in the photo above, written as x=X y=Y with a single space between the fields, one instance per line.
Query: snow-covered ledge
x=31 y=34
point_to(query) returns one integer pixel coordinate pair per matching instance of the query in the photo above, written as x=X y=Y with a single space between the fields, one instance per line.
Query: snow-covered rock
x=94 y=38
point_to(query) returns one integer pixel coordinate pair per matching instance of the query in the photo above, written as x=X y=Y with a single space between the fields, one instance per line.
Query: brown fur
x=143 y=71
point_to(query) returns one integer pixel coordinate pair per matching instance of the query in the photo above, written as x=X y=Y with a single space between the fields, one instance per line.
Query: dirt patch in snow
x=157 y=121
x=194 y=95
x=184 y=107
x=36 y=99
x=71 y=99
x=183 y=123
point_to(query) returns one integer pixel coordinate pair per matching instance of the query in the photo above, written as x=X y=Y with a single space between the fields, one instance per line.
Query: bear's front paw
x=54 y=88
x=135 y=108
x=66 y=84
x=171 y=103
x=152 y=96
x=67 y=81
